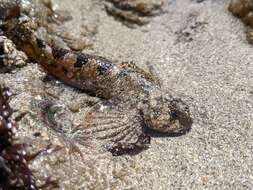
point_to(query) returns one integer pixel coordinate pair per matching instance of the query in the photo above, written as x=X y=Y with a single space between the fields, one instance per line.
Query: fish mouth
x=171 y=130
x=175 y=131
x=180 y=131
x=155 y=133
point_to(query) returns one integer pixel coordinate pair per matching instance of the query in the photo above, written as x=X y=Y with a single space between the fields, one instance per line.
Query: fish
x=133 y=101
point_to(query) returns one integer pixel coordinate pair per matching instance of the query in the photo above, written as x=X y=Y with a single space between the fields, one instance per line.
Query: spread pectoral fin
x=121 y=130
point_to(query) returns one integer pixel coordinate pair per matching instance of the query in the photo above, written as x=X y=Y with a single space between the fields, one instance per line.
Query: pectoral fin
x=121 y=130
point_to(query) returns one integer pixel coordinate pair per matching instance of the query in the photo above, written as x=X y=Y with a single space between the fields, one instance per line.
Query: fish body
x=133 y=99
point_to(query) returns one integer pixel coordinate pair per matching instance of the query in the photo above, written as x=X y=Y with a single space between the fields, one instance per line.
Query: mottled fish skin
x=127 y=89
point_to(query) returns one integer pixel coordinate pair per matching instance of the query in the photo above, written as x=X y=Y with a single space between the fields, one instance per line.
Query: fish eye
x=174 y=115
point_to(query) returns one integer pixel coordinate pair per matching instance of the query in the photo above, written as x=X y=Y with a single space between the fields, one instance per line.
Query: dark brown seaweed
x=14 y=171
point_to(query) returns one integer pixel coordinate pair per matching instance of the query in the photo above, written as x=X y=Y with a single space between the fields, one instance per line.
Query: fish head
x=168 y=115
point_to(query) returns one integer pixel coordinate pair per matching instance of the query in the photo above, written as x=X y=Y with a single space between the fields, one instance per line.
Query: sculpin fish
x=132 y=98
